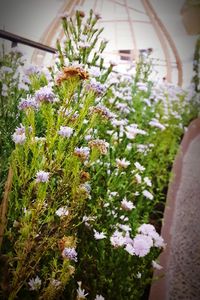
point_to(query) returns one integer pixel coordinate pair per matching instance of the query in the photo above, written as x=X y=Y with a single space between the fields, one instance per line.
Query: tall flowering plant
x=89 y=167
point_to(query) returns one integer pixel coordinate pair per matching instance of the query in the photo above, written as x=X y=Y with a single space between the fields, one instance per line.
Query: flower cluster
x=45 y=94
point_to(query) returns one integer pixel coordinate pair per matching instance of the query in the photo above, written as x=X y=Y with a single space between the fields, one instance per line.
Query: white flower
x=147 y=181
x=65 y=131
x=147 y=229
x=127 y=205
x=117 y=239
x=138 y=178
x=130 y=249
x=124 y=227
x=156 y=123
x=99 y=297
x=132 y=131
x=139 y=166
x=147 y=194
x=81 y=292
x=62 y=211
x=122 y=163
x=156 y=266
x=142 y=244
x=158 y=240
x=99 y=235
x=35 y=283
x=19 y=135
x=42 y=176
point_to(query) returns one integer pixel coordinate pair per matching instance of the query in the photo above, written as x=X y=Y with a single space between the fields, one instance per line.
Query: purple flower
x=27 y=103
x=142 y=245
x=19 y=135
x=65 y=131
x=45 y=94
x=42 y=176
x=70 y=253
x=35 y=283
x=31 y=70
x=96 y=86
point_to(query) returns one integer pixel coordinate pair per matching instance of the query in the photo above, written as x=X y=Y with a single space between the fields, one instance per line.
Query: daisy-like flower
x=142 y=245
x=156 y=266
x=28 y=103
x=127 y=205
x=19 y=135
x=138 y=178
x=139 y=166
x=158 y=240
x=125 y=228
x=45 y=94
x=147 y=194
x=81 y=292
x=35 y=283
x=147 y=181
x=70 y=253
x=117 y=239
x=62 y=211
x=99 y=297
x=82 y=152
x=132 y=131
x=147 y=229
x=65 y=131
x=130 y=249
x=99 y=235
x=94 y=71
x=42 y=176
x=122 y=163
x=156 y=123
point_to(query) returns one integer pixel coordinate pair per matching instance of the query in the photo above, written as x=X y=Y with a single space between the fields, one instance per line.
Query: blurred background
x=168 y=29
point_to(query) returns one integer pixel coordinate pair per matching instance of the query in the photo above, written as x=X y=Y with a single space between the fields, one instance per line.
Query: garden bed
x=91 y=165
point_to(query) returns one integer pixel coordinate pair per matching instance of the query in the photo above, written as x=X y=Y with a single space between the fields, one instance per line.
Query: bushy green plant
x=10 y=92
x=91 y=166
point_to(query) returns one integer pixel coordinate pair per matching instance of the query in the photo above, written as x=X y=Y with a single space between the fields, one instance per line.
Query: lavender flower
x=19 y=135
x=65 y=131
x=62 y=211
x=127 y=205
x=142 y=245
x=82 y=152
x=139 y=166
x=147 y=229
x=81 y=292
x=42 y=176
x=147 y=194
x=122 y=163
x=95 y=86
x=117 y=239
x=35 y=283
x=31 y=70
x=99 y=235
x=99 y=297
x=45 y=94
x=70 y=253
x=27 y=103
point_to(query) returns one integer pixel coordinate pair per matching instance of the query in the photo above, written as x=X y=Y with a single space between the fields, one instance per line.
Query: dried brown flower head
x=85 y=176
x=69 y=72
x=101 y=145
